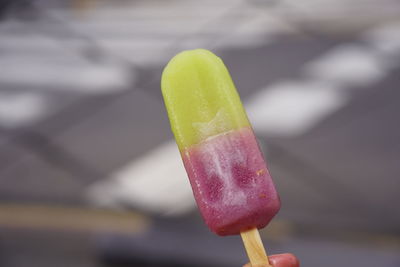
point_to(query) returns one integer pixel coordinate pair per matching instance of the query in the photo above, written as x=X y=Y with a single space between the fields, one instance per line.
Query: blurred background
x=90 y=174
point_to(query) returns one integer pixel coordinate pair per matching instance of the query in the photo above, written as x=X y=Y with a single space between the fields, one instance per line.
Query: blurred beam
x=47 y=217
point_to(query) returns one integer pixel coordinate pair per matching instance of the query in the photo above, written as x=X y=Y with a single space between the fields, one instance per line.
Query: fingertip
x=284 y=260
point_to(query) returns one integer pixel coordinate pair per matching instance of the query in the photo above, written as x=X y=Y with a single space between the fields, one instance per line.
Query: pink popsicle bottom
x=231 y=183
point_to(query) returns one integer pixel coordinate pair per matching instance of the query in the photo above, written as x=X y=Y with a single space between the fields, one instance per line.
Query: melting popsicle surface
x=230 y=180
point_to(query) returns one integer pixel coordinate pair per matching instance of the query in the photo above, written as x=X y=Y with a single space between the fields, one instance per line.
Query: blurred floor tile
x=9 y=152
x=347 y=65
x=255 y=67
x=124 y=129
x=291 y=108
x=140 y=185
x=30 y=177
x=22 y=108
x=353 y=157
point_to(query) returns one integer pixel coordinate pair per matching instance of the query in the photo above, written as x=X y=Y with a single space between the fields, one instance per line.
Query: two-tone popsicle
x=228 y=174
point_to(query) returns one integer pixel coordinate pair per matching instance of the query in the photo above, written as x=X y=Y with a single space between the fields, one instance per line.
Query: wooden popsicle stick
x=255 y=248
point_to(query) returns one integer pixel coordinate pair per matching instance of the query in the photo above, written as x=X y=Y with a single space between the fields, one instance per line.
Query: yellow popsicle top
x=200 y=97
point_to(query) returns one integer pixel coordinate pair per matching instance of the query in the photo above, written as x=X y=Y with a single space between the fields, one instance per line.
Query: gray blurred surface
x=89 y=79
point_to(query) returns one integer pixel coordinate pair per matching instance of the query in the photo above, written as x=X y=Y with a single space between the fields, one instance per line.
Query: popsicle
x=227 y=172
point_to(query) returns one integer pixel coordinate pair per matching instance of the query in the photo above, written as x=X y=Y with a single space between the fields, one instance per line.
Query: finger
x=281 y=260
x=284 y=260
